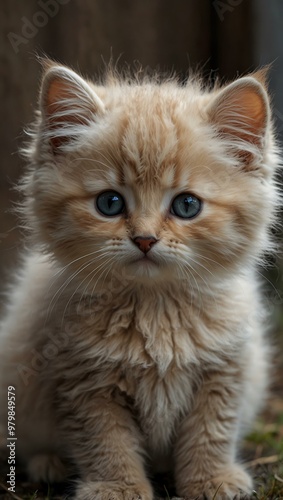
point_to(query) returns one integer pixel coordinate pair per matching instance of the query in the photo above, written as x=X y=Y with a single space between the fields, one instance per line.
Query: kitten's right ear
x=68 y=105
x=240 y=112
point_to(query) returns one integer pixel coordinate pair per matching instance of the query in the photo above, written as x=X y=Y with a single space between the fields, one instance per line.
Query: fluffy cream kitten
x=134 y=333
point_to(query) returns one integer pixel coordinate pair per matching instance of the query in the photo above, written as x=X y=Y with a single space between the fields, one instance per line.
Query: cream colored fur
x=128 y=367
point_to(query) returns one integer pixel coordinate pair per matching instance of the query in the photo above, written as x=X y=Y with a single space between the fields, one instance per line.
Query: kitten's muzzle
x=145 y=243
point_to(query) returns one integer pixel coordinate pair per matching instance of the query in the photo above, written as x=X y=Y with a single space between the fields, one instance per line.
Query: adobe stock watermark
x=30 y=27
x=222 y=7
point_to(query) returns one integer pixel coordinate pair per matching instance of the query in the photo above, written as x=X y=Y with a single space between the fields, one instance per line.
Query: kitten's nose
x=145 y=242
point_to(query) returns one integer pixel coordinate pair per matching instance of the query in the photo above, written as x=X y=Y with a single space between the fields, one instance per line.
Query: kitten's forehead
x=150 y=143
x=168 y=144
x=156 y=143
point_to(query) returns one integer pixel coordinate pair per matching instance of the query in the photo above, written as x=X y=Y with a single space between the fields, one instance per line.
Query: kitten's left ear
x=241 y=114
x=68 y=104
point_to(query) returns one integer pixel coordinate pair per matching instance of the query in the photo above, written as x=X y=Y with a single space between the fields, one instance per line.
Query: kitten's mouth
x=145 y=267
x=145 y=260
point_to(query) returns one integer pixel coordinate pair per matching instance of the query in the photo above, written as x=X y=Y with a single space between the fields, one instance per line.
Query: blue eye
x=110 y=203
x=186 y=206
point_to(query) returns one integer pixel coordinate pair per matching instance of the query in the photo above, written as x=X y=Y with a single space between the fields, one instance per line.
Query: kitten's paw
x=113 y=491
x=47 y=468
x=230 y=484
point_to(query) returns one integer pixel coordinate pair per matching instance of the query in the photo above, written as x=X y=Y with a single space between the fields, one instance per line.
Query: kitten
x=134 y=336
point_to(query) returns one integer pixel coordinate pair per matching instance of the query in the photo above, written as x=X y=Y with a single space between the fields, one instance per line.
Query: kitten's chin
x=145 y=268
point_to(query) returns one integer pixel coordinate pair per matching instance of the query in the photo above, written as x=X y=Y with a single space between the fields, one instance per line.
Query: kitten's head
x=161 y=180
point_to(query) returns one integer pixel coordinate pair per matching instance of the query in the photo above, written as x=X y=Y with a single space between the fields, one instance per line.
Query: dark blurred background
x=224 y=38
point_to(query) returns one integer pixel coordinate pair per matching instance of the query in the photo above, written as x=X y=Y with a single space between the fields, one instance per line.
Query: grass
x=265 y=443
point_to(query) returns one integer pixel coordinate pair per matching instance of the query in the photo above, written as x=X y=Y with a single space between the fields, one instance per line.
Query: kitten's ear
x=241 y=113
x=68 y=104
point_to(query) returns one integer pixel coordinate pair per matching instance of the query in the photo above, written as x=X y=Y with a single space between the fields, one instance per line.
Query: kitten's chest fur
x=145 y=329
x=159 y=403
x=141 y=329
x=137 y=348
x=147 y=349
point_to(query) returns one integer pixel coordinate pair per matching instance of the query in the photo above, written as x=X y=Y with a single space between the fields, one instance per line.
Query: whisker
x=94 y=272
x=265 y=278
x=62 y=269
x=182 y=271
x=79 y=285
x=201 y=265
x=94 y=286
x=187 y=264
x=61 y=289
x=211 y=260
x=187 y=270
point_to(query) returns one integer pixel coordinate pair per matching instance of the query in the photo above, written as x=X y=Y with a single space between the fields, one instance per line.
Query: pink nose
x=145 y=242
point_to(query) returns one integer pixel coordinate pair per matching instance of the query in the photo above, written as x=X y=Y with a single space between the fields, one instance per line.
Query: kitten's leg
x=106 y=445
x=206 y=445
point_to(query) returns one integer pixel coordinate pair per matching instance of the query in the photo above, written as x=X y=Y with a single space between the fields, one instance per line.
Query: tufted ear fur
x=68 y=104
x=240 y=112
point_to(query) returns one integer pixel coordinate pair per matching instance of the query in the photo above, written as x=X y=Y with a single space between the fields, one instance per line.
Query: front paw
x=112 y=490
x=229 y=484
